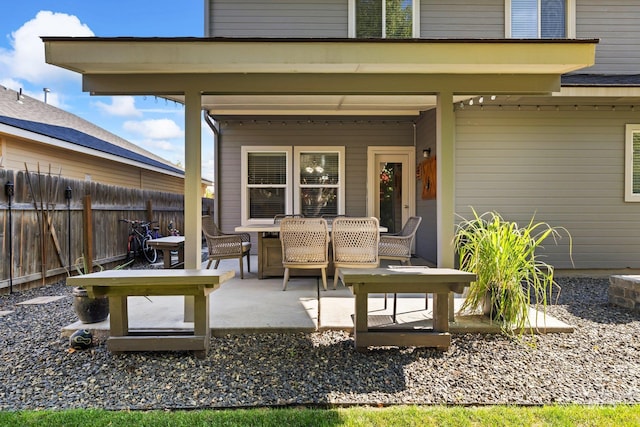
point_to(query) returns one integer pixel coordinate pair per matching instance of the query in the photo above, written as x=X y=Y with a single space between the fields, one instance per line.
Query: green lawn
x=573 y=415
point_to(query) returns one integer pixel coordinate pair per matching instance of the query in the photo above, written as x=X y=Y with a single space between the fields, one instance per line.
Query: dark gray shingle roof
x=82 y=139
x=601 y=80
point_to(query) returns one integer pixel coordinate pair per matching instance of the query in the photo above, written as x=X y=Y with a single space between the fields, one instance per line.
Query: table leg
x=166 y=256
x=260 y=253
x=181 y=255
x=118 y=316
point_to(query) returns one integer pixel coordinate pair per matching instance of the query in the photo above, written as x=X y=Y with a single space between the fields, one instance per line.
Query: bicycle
x=140 y=233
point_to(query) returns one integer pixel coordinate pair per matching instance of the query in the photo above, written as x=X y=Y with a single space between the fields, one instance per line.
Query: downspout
x=216 y=165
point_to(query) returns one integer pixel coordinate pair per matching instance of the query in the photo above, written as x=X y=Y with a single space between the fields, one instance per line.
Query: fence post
x=149 y=210
x=87 y=230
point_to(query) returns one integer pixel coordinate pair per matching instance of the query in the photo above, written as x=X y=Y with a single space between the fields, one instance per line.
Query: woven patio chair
x=279 y=217
x=305 y=244
x=225 y=245
x=397 y=247
x=330 y=218
x=355 y=244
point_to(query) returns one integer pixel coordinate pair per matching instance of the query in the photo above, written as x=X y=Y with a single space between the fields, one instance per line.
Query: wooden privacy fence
x=50 y=221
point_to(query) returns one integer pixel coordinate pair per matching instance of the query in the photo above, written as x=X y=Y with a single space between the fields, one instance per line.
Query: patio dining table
x=167 y=245
x=270 y=250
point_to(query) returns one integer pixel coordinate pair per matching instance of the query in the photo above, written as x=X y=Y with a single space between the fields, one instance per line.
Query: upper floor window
x=540 y=19
x=392 y=19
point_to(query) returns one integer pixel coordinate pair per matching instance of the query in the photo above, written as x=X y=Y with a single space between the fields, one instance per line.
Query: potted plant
x=90 y=310
x=510 y=275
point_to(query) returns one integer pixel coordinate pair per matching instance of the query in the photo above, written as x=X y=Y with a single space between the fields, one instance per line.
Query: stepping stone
x=41 y=300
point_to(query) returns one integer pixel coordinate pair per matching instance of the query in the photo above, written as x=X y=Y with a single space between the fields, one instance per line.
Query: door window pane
x=391 y=196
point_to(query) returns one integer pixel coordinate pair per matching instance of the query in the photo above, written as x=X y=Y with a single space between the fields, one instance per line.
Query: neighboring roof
x=84 y=140
x=601 y=80
x=35 y=116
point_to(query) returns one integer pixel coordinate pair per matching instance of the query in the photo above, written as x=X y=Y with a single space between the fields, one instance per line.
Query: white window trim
x=629 y=196
x=416 y=19
x=244 y=207
x=570 y=19
x=296 y=175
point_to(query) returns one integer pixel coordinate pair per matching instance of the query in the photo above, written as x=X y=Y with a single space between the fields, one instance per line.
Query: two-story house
x=340 y=106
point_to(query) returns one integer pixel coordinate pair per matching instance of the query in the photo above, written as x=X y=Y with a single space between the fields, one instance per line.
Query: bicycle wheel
x=149 y=253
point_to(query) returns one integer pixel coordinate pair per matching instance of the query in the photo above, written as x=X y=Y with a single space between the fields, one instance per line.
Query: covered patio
x=331 y=77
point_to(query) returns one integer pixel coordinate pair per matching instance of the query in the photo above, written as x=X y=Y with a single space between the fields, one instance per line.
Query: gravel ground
x=597 y=364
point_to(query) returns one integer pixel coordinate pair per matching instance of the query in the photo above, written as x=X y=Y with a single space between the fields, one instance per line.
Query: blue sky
x=154 y=124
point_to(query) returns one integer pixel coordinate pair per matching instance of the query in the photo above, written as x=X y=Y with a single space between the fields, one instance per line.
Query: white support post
x=192 y=186
x=445 y=166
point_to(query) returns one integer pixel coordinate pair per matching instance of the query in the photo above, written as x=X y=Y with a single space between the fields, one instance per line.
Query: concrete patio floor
x=251 y=305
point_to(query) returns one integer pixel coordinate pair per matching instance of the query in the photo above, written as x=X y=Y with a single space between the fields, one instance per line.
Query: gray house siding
x=278 y=18
x=462 y=19
x=564 y=167
x=615 y=23
x=354 y=134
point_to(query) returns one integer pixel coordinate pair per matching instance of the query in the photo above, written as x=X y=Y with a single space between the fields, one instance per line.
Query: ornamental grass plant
x=510 y=276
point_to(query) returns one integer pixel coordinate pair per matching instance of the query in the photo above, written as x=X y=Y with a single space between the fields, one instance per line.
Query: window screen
x=538 y=18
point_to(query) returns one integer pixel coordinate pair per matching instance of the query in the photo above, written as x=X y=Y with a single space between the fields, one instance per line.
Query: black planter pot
x=89 y=310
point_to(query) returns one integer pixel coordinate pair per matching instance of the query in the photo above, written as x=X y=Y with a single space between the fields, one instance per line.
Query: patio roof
x=317 y=76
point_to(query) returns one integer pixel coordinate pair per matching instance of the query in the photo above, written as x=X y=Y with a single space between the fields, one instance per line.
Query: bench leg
x=201 y=326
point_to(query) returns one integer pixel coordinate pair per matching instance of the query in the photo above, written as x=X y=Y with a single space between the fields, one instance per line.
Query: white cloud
x=154 y=145
x=26 y=61
x=121 y=106
x=154 y=129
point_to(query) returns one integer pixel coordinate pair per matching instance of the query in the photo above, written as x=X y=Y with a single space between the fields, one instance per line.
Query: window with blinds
x=291 y=180
x=636 y=163
x=632 y=163
x=538 y=18
x=266 y=184
x=384 y=18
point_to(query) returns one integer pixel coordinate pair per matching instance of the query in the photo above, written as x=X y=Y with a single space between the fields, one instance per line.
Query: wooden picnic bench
x=120 y=284
x=420 y=280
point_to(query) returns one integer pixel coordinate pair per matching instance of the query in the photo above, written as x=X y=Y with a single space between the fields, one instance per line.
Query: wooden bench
x=119 y=284
x=421 y=280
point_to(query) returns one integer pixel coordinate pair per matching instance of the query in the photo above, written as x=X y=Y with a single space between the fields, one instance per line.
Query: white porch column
x=445 y=152
x=445 y=156
x=192 y=192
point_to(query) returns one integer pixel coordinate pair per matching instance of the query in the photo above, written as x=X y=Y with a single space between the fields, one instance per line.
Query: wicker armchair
x=225 y=245
x=355 y=244
x=398 y=246
x=305 y=244
x=279 y=217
